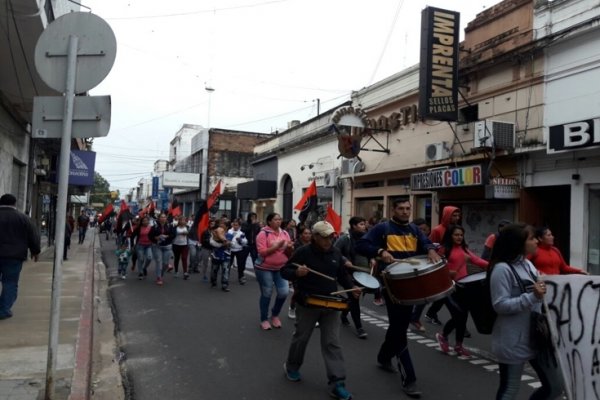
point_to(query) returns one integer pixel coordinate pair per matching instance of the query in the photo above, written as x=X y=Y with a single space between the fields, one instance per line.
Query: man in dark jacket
x=16 y=236
x=327 y=261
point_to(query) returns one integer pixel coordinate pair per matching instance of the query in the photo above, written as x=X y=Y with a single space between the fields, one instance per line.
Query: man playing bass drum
x=316 y=269
x=397 y=239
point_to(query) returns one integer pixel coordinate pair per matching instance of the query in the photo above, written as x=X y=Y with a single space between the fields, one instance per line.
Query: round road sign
x=96 y=51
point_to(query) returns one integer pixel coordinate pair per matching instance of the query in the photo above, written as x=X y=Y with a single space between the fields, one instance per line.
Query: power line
x=212 y=10
x=387 y=41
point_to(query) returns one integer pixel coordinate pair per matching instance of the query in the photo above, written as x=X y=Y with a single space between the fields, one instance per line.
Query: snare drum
x=329 y=302
x=418 y=282
x=367 y=281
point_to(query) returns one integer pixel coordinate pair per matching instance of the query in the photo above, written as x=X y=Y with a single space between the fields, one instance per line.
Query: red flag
x=105 y=213
x=214 y=196
x=124 y=207
x=308 y=202
x=334 y=218
x=202 y=216
x=174 y=209
x=176 y=212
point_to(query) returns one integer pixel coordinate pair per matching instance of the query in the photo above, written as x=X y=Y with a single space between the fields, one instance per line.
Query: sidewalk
x=24 y=337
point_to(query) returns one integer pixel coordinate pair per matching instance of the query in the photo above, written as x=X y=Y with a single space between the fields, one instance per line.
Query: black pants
x=396 y=342
x=354 y=311
x=240 y=258
x=458 y=305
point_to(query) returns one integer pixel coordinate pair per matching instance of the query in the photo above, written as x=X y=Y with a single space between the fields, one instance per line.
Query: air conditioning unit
x=498 y=134
x=437 y=151
x=352 y=166
x=330 y=179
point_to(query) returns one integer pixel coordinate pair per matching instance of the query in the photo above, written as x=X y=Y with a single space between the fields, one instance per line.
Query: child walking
x=123 y=256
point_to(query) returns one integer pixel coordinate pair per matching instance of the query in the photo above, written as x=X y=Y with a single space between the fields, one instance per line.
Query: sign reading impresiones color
x=438 y=75
x=447 y=178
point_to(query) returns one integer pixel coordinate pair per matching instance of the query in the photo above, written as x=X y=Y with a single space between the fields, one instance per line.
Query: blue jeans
x=266 y=281
x=144 y=257
x=510 y=381
x=162 y=255
x=10 y=269
x=82 y=234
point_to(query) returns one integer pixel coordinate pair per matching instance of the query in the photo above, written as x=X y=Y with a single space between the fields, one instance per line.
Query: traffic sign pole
x=61 y=216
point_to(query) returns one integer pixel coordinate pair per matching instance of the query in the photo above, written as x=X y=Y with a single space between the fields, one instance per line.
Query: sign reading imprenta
x=438 y=75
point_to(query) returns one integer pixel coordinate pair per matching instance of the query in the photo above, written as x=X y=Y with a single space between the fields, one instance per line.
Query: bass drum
x=417 y=281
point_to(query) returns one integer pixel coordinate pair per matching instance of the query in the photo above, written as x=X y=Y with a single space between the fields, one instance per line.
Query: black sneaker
x=145 y=271
x=433 y=319
x=467 y=333
x=225 y=289
x=360 y=332
x=345 y=321
x=411 y=390
x=140 y=276
x=386 y=366
x=186 y=276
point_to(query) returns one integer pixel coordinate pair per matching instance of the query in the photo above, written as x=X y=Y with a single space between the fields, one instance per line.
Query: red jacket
x=549 y=261
x=437 y=233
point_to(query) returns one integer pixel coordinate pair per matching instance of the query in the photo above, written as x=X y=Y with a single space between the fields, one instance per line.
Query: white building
x=570 y=166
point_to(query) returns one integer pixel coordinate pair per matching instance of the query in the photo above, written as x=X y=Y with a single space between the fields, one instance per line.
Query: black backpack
x=482 y=310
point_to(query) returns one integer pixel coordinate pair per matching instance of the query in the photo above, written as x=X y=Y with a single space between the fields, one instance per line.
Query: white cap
x=323 y=228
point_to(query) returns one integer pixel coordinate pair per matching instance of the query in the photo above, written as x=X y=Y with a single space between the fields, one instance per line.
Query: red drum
x=417 y=281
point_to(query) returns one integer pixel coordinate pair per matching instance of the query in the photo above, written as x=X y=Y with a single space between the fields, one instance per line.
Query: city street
x=187 y=341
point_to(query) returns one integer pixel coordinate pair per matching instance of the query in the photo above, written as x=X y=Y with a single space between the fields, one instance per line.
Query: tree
x=101 y=190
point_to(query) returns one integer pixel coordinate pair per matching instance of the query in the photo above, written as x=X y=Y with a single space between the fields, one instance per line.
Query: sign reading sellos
x=438 y=74
x=503 y=188
x=447 y=178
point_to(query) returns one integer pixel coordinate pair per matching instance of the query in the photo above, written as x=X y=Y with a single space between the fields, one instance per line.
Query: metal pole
x=61 y=216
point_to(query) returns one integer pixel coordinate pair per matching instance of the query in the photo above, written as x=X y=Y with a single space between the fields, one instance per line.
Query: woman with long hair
x=458 y=255
x=180 y=247
x=143 y=246
x=510 y=272
x=274 y=248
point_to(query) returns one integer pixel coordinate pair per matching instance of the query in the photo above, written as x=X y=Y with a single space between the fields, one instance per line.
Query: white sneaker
x=123 y=277
x=291 y=313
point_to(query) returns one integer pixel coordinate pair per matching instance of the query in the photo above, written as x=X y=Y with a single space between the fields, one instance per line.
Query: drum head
x=418 y=266
x=472 y=278
x=365 y=280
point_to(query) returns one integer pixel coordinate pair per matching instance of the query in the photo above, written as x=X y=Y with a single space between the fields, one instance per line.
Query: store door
x=549 y=206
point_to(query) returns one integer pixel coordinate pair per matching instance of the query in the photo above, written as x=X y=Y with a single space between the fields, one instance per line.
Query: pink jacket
x=267 y=238
x=457 y=261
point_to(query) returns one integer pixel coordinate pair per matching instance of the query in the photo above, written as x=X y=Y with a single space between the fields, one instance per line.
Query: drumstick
x=316 y=272
x=356 y=267
x=342 y=291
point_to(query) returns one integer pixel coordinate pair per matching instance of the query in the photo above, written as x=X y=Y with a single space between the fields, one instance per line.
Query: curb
x=82 y=372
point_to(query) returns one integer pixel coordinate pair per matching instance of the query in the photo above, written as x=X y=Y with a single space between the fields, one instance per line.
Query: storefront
x=483 y=203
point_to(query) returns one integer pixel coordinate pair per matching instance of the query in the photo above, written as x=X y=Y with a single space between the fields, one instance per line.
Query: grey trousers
x=329 y=325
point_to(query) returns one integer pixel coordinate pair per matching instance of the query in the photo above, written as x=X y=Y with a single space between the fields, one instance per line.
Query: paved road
x=187 y=341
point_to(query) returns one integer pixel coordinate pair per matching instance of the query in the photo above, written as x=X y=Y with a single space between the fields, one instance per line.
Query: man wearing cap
x=320 y=256
x=16 y=236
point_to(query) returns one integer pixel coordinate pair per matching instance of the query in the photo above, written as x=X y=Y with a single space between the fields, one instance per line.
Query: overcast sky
x=268 y=61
